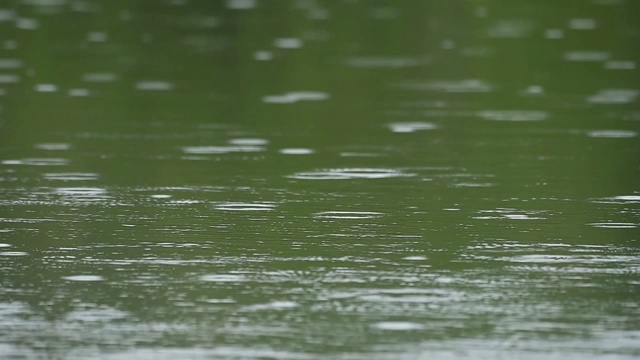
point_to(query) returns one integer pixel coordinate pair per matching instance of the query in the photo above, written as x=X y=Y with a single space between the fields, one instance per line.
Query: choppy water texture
x=248 y=179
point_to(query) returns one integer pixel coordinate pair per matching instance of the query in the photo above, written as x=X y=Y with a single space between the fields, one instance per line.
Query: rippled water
x=248 y=179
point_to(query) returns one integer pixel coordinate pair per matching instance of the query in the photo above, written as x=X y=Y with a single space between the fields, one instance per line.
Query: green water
x=251 y=179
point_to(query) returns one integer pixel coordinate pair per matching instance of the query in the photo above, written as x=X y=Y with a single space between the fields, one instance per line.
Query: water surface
x=250 y=179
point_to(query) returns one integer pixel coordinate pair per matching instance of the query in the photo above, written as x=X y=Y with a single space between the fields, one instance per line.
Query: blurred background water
x=307 y=179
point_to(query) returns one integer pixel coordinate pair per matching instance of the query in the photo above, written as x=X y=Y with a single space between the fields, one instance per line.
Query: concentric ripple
x=241 y=206
x=348 y=173
x=348 y=215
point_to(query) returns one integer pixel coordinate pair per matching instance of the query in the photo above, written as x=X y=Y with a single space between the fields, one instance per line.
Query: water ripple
x=70 y=176
x=348 y=215
x=293 y=97
x=221 y=149
x=37 y=162
x=512 y=115
x=240 y=206
x=408 y=127
x=348 y=173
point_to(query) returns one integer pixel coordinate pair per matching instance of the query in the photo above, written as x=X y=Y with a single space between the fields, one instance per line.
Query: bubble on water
x=613 y=134
x=160 y=196
x=513 y=115
x=408 y=127
x=242 y=206
x=349 y=215
x=348 y=173
x=397 y=326
x=5 y=245
x=84 y=278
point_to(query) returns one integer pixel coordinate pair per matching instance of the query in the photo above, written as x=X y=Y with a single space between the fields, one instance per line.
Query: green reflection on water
x=468 y=185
